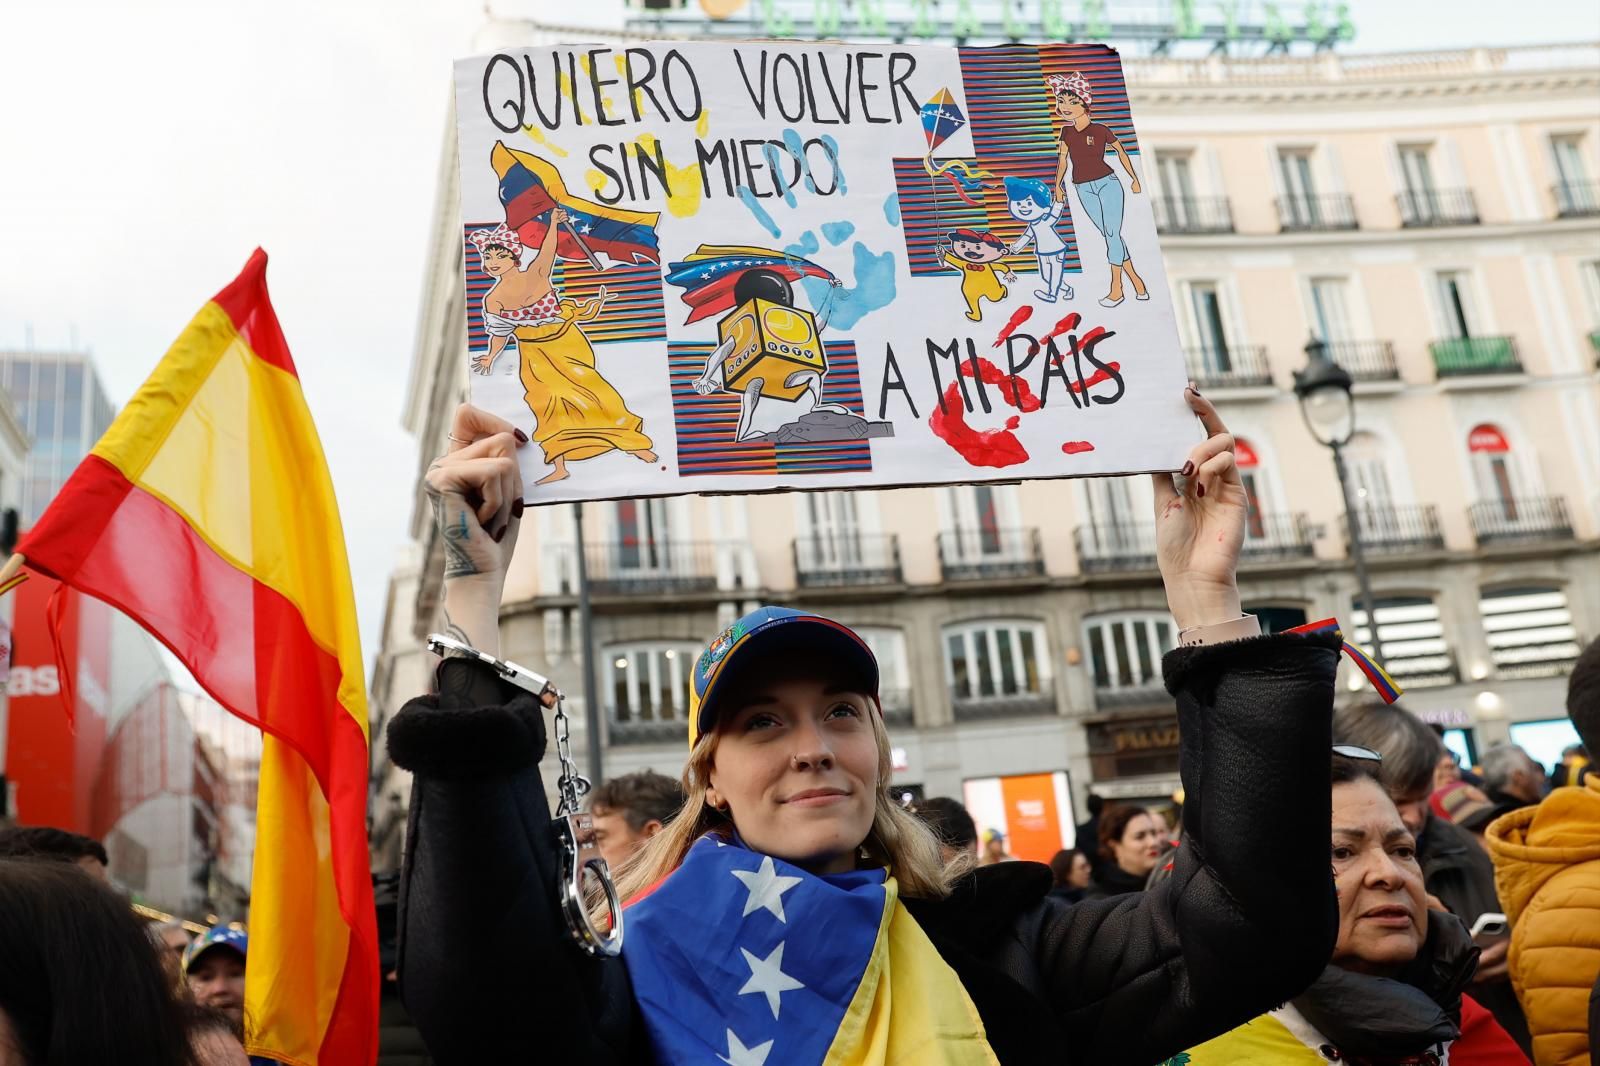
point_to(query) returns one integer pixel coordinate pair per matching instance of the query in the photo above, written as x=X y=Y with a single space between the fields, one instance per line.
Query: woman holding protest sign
x=794 y=913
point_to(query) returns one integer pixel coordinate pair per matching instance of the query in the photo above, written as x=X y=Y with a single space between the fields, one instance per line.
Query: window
x=1125 y=650
x=1369 y=473
x=1567 y=150
x=1177 y=189
x=835 y=532
x=1278 y=619
x=72 y=404
x=1330 y=309
x=1415 y=651
x=1529 y=630
x=1591 y=287
x=994 y=660
x=643 y=535
x=44 y=404
x=1545 y=741
x=1299 y=187
x=1455 y=304
x=894 y=674
x=1253 y=479
x=650 y=682
x=1492 y=468
x=1416 y=171
x=985 y=521
x=1210 y=332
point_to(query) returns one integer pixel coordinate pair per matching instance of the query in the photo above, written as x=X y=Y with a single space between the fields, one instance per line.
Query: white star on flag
x=739 y=1055
x=766 y=888
x=768 y=978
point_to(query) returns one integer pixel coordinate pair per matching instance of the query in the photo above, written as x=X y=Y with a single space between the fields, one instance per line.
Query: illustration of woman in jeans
x=1083 y=146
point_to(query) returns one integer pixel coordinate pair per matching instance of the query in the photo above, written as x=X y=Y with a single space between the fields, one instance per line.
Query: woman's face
x=1383 y=918
x=497 y=260
x=1140 y=845
x=1071 y=107
x=1079 y=874
x=796 y=766
x=1446 y=771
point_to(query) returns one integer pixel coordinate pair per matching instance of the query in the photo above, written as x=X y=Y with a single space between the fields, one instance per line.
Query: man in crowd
x=629 y=810
x=1547 y=868
x=1455 y=869
x=43 y=842
x=994 y=848
x=1512 y=779
x=951 y=823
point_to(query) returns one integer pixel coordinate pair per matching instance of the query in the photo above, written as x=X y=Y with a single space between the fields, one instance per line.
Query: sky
x=147 y=147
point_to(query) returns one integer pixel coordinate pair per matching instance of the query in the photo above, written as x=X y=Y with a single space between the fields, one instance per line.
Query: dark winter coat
x=1461 y=874
x=1246 y=920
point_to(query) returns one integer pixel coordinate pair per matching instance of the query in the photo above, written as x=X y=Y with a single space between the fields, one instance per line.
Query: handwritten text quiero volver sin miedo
x=643 y=88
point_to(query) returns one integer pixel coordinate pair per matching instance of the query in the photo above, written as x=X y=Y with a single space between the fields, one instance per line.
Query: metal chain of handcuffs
x=574 y=828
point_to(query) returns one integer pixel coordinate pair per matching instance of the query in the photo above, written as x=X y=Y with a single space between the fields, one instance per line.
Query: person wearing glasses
x=1393 y=990
x=793 y=912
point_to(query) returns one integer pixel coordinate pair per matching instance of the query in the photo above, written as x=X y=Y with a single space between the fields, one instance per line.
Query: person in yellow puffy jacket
x=1547 y=873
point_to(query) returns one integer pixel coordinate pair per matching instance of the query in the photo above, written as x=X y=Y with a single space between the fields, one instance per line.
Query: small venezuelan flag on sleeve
x=207 y=514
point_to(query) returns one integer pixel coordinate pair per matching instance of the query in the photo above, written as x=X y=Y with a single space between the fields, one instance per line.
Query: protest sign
x=733 y=267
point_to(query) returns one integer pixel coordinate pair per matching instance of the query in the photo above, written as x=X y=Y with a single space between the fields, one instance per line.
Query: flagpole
x=591 y=710
x=594 y=260
x=12 y=567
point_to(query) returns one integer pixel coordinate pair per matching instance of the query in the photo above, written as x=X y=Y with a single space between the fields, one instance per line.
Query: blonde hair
x=898 y=839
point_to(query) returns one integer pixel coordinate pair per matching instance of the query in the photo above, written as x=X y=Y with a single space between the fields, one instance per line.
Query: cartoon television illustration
x=771 y=355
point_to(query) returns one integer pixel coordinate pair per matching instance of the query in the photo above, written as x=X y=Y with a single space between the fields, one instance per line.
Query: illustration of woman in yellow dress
x=578 y=413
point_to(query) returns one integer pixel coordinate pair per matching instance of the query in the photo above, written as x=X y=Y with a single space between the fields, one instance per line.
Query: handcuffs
x=574 y=828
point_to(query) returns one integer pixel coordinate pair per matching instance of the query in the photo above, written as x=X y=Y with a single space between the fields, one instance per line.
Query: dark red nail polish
x=518 y=505
x=501 y=532
x=522 y=438
x=1200 y=491
x=1188 y=468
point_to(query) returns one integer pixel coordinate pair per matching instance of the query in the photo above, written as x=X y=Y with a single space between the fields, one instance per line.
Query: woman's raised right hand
x=476 y=492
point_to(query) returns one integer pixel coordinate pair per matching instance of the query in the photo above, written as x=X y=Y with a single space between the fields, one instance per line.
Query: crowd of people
x=1332 y=884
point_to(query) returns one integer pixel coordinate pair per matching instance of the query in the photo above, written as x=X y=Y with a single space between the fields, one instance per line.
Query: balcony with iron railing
x=990 y=554
x=1521 y=520
x=1457 y=357
x=1109 y=546
x=1193 y=214
x=1437 y=207
x=837 y=560
x=651 y=568
x=1397 y=530
x=628 y=730
x=1576 y=199
x=1270 y=538
x=1327 y=211
x=1234 y=366
x=1366 y=360
x=1019 y=705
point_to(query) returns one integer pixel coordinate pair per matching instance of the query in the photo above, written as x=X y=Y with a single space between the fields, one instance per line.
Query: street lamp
x=1329 y=409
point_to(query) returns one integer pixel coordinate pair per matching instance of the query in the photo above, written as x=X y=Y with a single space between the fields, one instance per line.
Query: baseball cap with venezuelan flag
x=218 y=937
x=765 y=636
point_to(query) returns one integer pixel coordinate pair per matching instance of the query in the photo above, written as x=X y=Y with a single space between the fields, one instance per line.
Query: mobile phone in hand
x=1489 y=926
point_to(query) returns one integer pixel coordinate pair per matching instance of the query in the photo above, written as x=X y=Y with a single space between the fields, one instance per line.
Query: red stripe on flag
x=248 y=646
x=245 y=300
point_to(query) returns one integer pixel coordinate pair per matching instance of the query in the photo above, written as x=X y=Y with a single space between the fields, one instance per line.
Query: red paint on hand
x=1073 y=447
x=1018 y=317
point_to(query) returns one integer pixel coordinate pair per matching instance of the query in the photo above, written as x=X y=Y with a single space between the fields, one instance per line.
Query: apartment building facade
x=1434 y=219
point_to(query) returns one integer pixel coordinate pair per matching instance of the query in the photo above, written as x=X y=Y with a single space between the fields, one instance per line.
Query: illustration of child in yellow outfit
x=976 y=254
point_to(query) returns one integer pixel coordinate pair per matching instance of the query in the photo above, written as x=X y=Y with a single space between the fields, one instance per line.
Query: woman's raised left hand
x=1200 y=531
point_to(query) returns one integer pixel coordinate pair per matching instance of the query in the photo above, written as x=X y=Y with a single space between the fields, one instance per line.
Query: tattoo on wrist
x=454 y=631
x=455 y=533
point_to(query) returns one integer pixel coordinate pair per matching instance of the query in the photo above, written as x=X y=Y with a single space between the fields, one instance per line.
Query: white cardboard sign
x=735 y=267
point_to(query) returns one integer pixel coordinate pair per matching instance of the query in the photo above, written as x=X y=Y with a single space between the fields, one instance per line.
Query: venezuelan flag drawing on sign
x=207 y=514
x=531 y=186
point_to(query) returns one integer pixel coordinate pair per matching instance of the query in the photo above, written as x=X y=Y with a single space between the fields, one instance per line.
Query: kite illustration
x=531 y=186
x=942 y=119
x=708 y=275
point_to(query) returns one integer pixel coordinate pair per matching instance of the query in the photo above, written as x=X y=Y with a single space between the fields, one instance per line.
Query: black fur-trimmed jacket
x=1246 y=921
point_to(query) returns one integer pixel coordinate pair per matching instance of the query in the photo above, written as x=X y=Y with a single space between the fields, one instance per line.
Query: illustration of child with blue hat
x=1030 y=203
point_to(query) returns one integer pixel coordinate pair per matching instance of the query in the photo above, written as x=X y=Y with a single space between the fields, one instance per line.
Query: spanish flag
x=206 y=513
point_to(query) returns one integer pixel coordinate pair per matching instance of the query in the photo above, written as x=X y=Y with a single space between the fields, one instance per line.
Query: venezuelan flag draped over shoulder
x=741 y=958
x=207 y=514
